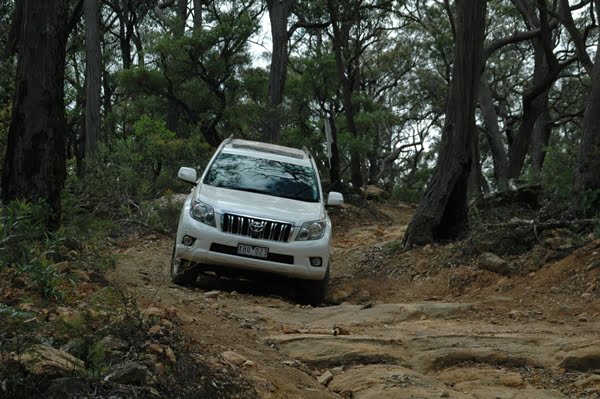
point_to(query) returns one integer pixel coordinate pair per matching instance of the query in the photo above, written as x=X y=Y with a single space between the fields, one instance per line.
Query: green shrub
x=141 y=167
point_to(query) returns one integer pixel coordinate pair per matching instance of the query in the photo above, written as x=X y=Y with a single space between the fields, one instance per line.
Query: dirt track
x=396 y=326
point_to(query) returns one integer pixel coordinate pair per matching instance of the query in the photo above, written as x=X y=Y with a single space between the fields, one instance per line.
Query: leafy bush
x=558 y=172
x=141 y=167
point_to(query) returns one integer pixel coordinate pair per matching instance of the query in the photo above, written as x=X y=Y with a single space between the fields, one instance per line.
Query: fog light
x=188 y=241
x=316 y=262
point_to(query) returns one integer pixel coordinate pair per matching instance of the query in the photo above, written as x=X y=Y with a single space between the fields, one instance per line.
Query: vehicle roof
x=266 y=150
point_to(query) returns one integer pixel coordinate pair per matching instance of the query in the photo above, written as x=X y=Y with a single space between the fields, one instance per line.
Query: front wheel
x=312 y=292
x=182 y=271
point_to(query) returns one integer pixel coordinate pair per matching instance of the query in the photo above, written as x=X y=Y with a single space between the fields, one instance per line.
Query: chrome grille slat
x=241 y=225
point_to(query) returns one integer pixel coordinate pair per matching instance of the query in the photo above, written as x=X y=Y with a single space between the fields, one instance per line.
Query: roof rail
x=308 y=154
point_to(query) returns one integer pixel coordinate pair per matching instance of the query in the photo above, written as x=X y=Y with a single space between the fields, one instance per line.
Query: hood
x=263 y=206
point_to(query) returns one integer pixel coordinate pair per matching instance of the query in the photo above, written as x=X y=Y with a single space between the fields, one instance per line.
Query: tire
x=182 y=271
x=312 y=292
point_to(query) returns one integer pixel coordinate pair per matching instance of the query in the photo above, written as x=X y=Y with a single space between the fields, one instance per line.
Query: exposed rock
x=593 y=265
x=42 y=359
x=290 y=363
x=517 y=314
x=155 y=348
x=170 y=354
x=154 y=330
x=347 y=394
x=592 y=382
x=129 y=373
x=325 y=378
x=493 y=263
x=154 y=312
x=249 y=364
x=212 y=294
x=233 y=358
x=290 y=329
x=582 y=359
x=112 y=345
x=465 y=378
x=388 y=382
x=587 y=296
x=340 y=330
x=374 y=193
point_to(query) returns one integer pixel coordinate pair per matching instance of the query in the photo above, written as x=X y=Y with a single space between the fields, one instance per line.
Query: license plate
x=251 y=250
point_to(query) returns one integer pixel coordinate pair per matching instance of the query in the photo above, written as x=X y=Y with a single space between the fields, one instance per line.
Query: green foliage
x=162 y=214
x=140 y=167
x=196 y=78
x=30 y=253
x=412 y=188
x=557 y=175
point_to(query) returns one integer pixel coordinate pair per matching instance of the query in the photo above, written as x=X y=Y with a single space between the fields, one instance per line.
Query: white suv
x=256 y=208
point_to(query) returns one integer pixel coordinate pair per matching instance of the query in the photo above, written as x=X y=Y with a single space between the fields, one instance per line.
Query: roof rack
x=268 y=150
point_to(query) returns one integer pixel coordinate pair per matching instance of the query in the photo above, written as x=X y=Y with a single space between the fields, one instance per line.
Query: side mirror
x=188 y=175
x=335 y=199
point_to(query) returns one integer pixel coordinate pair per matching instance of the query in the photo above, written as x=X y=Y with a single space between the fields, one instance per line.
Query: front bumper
x=216 y=248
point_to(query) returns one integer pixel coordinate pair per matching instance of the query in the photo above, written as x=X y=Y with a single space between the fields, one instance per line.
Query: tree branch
x=158 y=9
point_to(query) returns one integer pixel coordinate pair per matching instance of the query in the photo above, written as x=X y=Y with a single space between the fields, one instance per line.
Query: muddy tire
x=312 y=292
x=182 y=271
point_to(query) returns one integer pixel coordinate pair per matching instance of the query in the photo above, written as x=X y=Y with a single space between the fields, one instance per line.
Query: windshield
x=264 y=176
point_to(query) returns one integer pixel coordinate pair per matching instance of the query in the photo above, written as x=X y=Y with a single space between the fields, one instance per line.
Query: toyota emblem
x=257 y=226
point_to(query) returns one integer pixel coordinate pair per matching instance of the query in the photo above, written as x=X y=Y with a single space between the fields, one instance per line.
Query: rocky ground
x=436 y=322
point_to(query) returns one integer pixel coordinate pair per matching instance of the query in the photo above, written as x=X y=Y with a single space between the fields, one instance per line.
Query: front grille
x=229 y=250
x=256 y=228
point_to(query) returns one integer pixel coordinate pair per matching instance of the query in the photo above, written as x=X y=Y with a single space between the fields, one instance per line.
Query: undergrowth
x=54 y=293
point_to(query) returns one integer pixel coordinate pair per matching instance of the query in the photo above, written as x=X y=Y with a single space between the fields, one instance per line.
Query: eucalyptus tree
x=286 y=17
x=35 y=162
x=442 y=212
x=93 y=75
x=355 y=26
x=587 y=174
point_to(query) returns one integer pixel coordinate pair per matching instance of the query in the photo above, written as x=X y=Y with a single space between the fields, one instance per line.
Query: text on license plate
x=251 y=250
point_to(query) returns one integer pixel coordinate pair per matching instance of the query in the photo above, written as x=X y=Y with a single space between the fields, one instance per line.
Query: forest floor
x=429 y=323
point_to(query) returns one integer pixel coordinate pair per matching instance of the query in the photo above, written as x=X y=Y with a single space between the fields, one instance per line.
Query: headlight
x=202 y=212
x=312 y=231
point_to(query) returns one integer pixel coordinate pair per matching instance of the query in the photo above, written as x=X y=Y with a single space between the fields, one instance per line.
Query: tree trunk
x=198 y=15
x=124 y=42
x=442 y=212
x=279 y=12
x=93 y=62
x=182 y=8
x=587 y=176
x=335 y=175
x=355 y=158
x=492 y=132
x=35 y=165
x=532 y=109
x=535 y=98
x=540 y=139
